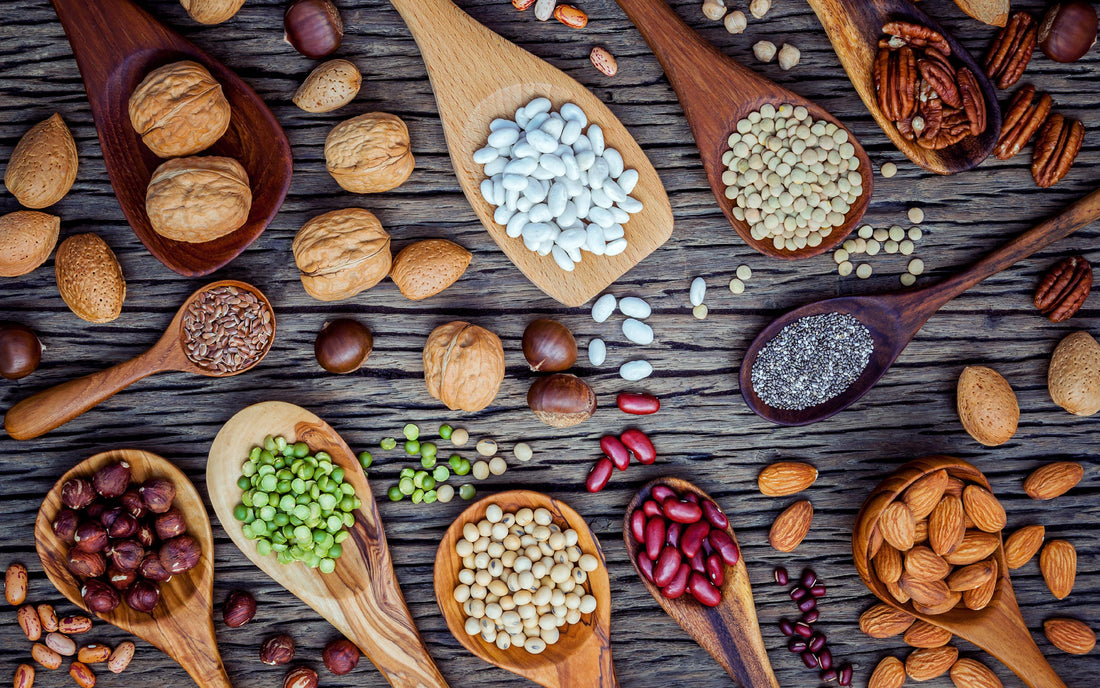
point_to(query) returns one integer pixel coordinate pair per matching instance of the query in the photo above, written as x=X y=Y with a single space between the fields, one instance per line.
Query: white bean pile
x=522 y=578
x=557 y=185
x=792 y=179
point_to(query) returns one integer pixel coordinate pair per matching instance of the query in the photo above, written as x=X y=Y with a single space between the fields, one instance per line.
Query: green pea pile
x=294 y=504
x=426 y=485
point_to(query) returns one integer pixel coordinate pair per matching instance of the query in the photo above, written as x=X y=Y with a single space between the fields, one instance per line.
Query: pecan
x=973 y=102
x=1022 y=121
x=931 y=110
x=954 y=128
x=1064 y=289
x=917 y=36
x=1011 y=50
x=1055 y=150
x=895 y=77
x=905 y=128
x=941 y=79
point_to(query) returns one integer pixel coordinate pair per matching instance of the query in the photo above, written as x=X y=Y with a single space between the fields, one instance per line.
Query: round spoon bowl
x=180 y=340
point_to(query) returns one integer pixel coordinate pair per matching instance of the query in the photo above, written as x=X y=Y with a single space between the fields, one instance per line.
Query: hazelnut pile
x=126 y=538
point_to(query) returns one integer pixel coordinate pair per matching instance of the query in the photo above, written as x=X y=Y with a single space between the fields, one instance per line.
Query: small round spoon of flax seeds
x=223 y=329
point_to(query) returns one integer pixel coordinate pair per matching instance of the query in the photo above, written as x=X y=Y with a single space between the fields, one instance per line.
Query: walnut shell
x=89 y=278
x=198 y=199
x=428 y=267
x=331 y=86
x=43 y=165
x=369 y=153
x=342 y=253
x=463 y=365
x=211 y=11
x=179 y=109
x=27 y=238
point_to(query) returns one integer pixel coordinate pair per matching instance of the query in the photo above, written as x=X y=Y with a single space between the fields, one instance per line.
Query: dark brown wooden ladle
x=895 y=318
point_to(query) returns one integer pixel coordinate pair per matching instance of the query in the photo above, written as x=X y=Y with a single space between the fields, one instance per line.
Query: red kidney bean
x=809 y=578
x=828 y=676
x=667 y=566
x=713 y=514
x=818 y=590
x=844 y=676
x=707 y=549
x=692 y=540
x=645 y=565
x=817 y=642
x=638 y=404
x=639 y=443
x=786 y=627
x=811 y=616
x=807 y=604
x=796 y=645
x=654 y=537
x=672 y=535
x=798 y=593
x=724 y=545
x=716 y=570
x=703 y=591
x=679 y=583
x=698 y=562
x=662 y=492
x=781 y=577
x=825 y=657
x=637 y=525
x=681 y=511
x=803 y=629
x=616 y=451
x=809 y=659
x=691 y=497
x=652 y=508
x=599 y=475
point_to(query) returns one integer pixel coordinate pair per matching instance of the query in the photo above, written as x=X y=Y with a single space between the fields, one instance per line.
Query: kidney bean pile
x=686 y=546
x=617 y=451
x=810 y=644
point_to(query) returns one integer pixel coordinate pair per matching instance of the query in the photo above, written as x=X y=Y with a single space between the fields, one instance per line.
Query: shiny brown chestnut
x=142 y=596
x=77 y=493
x=1068 y=30
x=313 y=27
x=99 y=597
x=277 y=650
x=90 y=537
x=561 y=400
x=180 y=554
x=126 y=554
x=170 y=524
x=343 y=345
x=112 y=480
x=549 y=346
x=65 y=523
x=86 y=564
x=157 y=494
x=20 y=351
x=341 y=656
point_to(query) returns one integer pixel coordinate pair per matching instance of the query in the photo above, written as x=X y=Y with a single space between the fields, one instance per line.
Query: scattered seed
x=637 y=331
x=897 y=233
x=890 y=246
x=873 y=247
x=916 y=266
x=597 y=352
x=844 y=269
x=700 y=311
x=698 y=291
x=480 y=470
x=744 y=273
x=881 y=234
x=486 y=447
x=863 y=271
x=459 y=437
x=915 y=233
x=764 y=51
x=908 y=280
x=906 y=247
x=888 y=169
x=841 y=255
x=916 y=215
x=736 y=22
x=497 y=465
x=737 y=286
x=789 y=57
x=227 y=329
x=523 y=452
x=603 y=308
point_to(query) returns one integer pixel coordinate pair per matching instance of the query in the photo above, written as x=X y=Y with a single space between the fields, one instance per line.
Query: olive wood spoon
x=181 y=625
x=715 y=92
x=730 y=632
x=854 y=28
x=361 y=598
x=116 y=44
x=999 y=628
x=477 y=76
x=893 y=319
x=51 y=408
x=582 y=656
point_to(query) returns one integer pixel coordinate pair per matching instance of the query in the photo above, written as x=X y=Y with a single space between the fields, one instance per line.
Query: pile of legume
x=295 y=504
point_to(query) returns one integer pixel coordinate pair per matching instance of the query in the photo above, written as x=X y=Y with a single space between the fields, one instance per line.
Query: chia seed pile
x=811 y=360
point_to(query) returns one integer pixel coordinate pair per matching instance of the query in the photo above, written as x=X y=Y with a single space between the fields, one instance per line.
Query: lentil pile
x=227 y=330
x=811 y=360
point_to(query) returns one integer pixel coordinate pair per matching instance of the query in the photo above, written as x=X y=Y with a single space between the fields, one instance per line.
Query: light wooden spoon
x=181 y=625
x=361 y=598
x=999 y=628
x=582 y=656
x=478 y=76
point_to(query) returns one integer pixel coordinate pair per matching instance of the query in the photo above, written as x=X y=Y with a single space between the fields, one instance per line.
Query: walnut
x=179 y=109
x=211 y=11
x=342 y=253
x=463 y=365
x=198 y=199
x=369 y=153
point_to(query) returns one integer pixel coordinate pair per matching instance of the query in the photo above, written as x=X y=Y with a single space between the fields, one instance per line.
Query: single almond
x=330 y=86
x=923 y=495
x=791 y=527
x=27 y=238
x=923 y=634
x=975 y=546
x=890 y=673
x=427 y=267
x=1058 y=563
x=89 y=278
x=898 y=525
x=888 y=563
x=1053 y=480
x=970 y=673
x=926 y=593
x=973 y=576
x=43 y=165
x=987 y=406
x=897 y=593
x=883 y=621
x=922 y=564
x=920 y=531
x=954 y=487
x=984 y=509
x=1070 y=635
x=980 y=597
x=950 y=602
x=1071 y=377
x=1022 y=545
x=945 y=525
x=785 y=478
x=927 y=663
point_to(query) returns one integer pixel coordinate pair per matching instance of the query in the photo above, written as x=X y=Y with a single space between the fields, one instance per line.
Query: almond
x=947 y=604
x=27 y=238
x=791 y=526
x=888 y=565
x=923 y=495
x=1070 y=635
x=987 y=406
x=971 y=577
x=786 y=478
x=924 y=634
x=428 y=267
x=945 y=525
x=1022 y=545
x=883 y=621
x=43 y=165
x=984 y=509
x=970 y=673
x=89 y=278
x=1073 y=374
x=922 y=564
x=330 y=86
x=928 y=663
x=980 y=597
x=926 y=593
x=896 y=592
x=974 y=547
x=898 y=525
x=920 y=532
x=1058 y=563
x=890 y=673
x=954 y=487
x=1053 y=480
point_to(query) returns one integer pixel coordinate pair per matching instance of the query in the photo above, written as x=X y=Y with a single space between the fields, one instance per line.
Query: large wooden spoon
x=52 y=408
x=478 y=76
x=730 y=632
x=716 y=92
x=894 y=319
x=181 y=625
x=582 y=656
x=855 y=27
x=116 y=44
x=361 y=598
x=999 y=628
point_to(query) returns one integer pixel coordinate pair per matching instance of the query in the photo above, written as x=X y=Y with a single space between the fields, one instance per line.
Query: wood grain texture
x=582 y=656
x=704 y=431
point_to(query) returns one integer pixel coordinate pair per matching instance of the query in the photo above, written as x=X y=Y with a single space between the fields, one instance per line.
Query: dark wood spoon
x=116 y=43
x=716 y=92
x=895 y=318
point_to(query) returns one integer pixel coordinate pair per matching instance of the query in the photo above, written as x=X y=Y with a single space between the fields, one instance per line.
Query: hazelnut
x=198 y=199
x=170 y=524
x=239 y=608
x=463 y=365
x=124 y=526
x=151 y=568
x=549 y=346
x=143 y=596
x=90 y=537
x=132 y=503
x=77 y=493
x=65 y=523
x=180 y=554
x=157 y=493
x=341 y=656
x=95 y=511
x=300 y=677
x=313 y=27
x=145 y=535
x=99 y=597
x=20 y=351
x=561 y=400
x=1068 y=30
x=107 y=518
x=119 y=579
x=278 y=649
x=179 y=109
x=369 y=153
x=112 y=480
x=343 y=345
x=126 y=554
x=86 y=564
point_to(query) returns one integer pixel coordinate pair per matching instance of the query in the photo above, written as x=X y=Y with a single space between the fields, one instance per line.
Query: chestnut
x=86 y=564
x=561 y=400
x=99 y=597
x=239 y=608
x=313 y=27
x=276 y=650
x=142 y=596
x=77 y=493
x=170 y=524
x=126 y=554
x=1068 y=30
x=112 y=480
x=158 y=494
x=65 y=523
x=343 y=345
x=20 y=351
x=549 y=346
x=90 y=537
x=180 y=554
x=341 y=656
x=119 y=579
x=123 y=527
x=132 y=502
x=151 y=568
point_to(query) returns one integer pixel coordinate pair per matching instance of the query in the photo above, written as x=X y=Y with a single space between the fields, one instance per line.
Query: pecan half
x=1011 y=50
x=895 y=77
x=931 y=110
x=1063 y=290
x=1055 y=150
x=973 y=102
x=1021 y=121
x=954 y=128
x=942 y=79
x=917 y=36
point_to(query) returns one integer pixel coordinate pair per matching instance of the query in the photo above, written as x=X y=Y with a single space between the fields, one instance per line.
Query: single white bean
x=561 y=257
x=698 y=291
x=603 y=308
x=597 y=352
x=637 y=331
x=633 y=307
x=635 y=370
x=616 y=247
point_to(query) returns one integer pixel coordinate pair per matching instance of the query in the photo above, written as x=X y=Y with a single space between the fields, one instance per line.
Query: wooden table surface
x=704 y=431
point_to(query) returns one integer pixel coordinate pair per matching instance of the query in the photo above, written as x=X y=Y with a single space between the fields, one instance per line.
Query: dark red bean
x=811 y=616
x=654 y=537
x=807 y=604
x=672 y=535
x=817 y=642
x=825 y=657
x=668 y=564
x=798 y=593
x=681 y=511
x=828 y=676
x=803 y=629
x=703 y=591
x=809 y=659
x=781 y=577
x=692 y=541
x=725 y=546
x=707 y=549
x=638 y=404
x=637 y=525
x=716 y=570
x=786 y=627
x=616 y=451
x=679 y=583
x=713 y=514
x=652 y=508
x=639 y=443
x=645 y=565
x=809 y=578
x=818 y=591
x=599 y=475
x=844 y=676
x=796 y=645
x=691 y=497
x=698 y=562
x=662 y=492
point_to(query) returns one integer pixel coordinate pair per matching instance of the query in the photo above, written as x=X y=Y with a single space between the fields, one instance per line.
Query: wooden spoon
x=478 y=76
x=855 y=27
x=52 y=408
x=116 y=44
x=730 y=631
x=361 y=598
x=893 y=319
x=715 y=93
x=181 y=625
x=582 y=656
x=999 y=629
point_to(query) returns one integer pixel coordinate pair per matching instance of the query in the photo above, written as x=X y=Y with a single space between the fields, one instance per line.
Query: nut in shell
x=43 y=165
x=987 y=406
x=369 y=153
x=427 y=267
x=561 y=400
x=463 y=365
x=198 y=199
x=329 y=87
x=211 y=11
x=27 y=238
x=313 y=27
x=342 y=253
x=89 y=278
x=179 y=109
x=20 y=351
x=1073 y=378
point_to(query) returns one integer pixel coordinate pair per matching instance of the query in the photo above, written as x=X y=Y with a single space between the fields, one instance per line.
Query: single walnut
x=369 y=153
x=198 y=199
x=179 y=109
x=463 y=365
x=211 y=11
x=342 y=253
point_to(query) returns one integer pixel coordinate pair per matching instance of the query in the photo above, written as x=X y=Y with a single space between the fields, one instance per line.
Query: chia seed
x=811 y=360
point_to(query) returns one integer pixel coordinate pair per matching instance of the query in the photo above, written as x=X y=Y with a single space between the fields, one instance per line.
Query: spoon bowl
x=181 y=625
x=582 y=657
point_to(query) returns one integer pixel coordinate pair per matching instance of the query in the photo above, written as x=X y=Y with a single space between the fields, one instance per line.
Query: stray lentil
x=486 y=447
x=897 y=233
x=467 y=491
x=523 y=452
x=480 y=470
x=866 y=232
x=497 y=465
x=908 y=280
x=915 y=233
x=388 y=443
x=863 y=271
x=737 y=286
x=916 y=266
x=888 y=169
x=700 y=311
x=844 y=269
x=744 y=273
x=906 y=247
x=916 y=215
x=459 y=437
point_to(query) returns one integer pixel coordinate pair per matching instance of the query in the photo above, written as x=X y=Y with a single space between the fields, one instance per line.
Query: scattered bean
x=764 y=50
x=523 y=452
x=497 y=465
x=916 y=215
x=600 y=474
x=633 y=307
x=888 y=169
x=700 y=312
x=637 y=331
x=603 y=308
x=459 y=437
x=737 y=286
x=759 y=8
x=597 y=351
x=788 y=57
x=640 y=445
x=637 y=404
x=486 y=447
x=698 y=291
x=736 y=22
x=916 y=266
x=635 y=370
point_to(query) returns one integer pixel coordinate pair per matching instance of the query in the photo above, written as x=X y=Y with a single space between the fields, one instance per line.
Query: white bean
x=635 y=370
x=637 y=331
x=634 y=307
x=561 y=257
x=615 y=247
x=698 y=291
